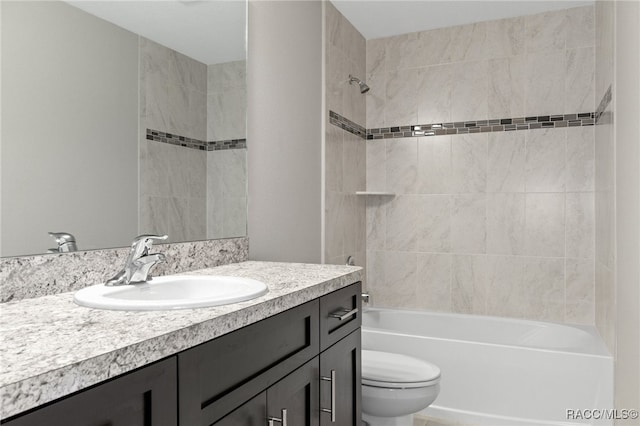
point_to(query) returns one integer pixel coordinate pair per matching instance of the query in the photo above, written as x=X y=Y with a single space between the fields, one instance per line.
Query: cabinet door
x=296 y=397
x=340 y=398
x=251 y=413
x=218 y=376
x=145 y=397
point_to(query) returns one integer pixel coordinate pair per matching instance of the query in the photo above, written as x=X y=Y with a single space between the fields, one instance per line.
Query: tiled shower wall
x=605 y=257
x=227 y=168
x=498 y=223
x=197 y=192
x=173 y=96
x=345 y=153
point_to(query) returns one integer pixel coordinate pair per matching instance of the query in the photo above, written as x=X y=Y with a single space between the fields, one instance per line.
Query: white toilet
x=395 y=386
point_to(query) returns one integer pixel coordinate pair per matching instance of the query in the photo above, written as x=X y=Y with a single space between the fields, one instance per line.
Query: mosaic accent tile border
x=158 y=136
x=604 y=103
x=227 y=144
x=483 y=126
x=346 y=124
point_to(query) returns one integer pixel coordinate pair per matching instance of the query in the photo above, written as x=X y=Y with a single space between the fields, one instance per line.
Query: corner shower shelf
x=382 y=193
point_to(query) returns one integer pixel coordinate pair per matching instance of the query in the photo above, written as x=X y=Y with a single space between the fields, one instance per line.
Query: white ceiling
x=210 y=31
x=214 y=31
x=384 y=18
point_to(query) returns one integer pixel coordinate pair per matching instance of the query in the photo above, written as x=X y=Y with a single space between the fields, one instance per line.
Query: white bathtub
x=500 y=371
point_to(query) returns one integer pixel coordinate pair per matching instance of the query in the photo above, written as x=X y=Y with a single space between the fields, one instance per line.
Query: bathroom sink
x=172 y=292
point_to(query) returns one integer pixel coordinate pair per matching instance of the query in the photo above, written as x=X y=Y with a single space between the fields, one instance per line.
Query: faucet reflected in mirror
x=139 y=262
x=66 y=242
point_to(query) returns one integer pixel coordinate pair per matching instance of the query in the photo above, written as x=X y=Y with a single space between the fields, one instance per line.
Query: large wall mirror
x=122 y=118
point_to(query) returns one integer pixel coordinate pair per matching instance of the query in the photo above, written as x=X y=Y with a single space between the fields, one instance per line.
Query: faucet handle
x=142 y=243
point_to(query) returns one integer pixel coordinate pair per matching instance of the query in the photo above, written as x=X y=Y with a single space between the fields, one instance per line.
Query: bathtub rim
x=600 y=351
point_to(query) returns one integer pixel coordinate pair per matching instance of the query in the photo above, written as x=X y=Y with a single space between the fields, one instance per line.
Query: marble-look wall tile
x=544 y=88
x=376 y=276
x=435 y=86
x=354 y=224
x=580 y=80
x=580 y=225
x=468 y=42
x=580 y=291
x=469 y=284
x=605 y=312
x=376 y=55
x=400 y=280
x=505 y=93
x=396 y=46
x=376 y=222
x=506 y=162
x=400 y=106
x=401 y=170
x=226 y=75
x=581 y=26
x=227 y=114
x=545 y=163
x=505 y=286
x=334 y=224
x=402 y=221
x=544 y=289
x=505 y=223
x=469 y=93
x=469 y=163
x=468 y=223
x=335 y=66
x=434 y=46
x=434 y=165
x=434 y=223
x=376 y=169
x=433 y=281
x=235 y=216
x=375 y=100
x=510 y=208
x=505 y=37
x=334 y=155
x=546 y=31
x=36 y=276
x=345 y=161
x=354 y=163
x=580 y=174
x=544 y=225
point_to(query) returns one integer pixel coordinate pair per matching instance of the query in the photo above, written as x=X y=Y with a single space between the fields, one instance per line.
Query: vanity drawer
x=218 y=376
x=340 y=314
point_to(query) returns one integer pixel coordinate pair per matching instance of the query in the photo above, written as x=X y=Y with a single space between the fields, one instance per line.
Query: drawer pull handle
x=282 y=420
x=331 y=410
x=343 y=314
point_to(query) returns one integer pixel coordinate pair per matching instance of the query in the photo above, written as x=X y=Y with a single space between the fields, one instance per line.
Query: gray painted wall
x=284 y=77
x=69 y=128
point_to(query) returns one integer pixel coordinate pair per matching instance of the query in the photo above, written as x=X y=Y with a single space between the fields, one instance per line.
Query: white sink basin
x=172 y=292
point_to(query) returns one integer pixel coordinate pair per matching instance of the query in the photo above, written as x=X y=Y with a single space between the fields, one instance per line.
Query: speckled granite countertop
x=51 y=347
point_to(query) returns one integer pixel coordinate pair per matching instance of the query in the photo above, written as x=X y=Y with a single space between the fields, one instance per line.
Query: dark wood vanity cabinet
x=145 y=397
x=302 y=364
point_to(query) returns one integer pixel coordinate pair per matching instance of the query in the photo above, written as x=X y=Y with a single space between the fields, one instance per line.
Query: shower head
x=363 y=87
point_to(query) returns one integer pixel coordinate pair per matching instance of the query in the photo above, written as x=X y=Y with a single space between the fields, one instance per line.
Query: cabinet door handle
x=343 y=314
x=282 y=420
x=331 y=410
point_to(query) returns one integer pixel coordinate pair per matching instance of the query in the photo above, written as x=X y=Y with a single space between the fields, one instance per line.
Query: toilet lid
x=385 y=369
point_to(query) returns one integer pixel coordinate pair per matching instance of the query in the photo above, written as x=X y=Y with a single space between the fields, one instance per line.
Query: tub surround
x=35 y=276
x=55 y=347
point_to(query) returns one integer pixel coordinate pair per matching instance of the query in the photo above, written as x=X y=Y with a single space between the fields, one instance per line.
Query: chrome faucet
x=66 y=242
x=140 y=261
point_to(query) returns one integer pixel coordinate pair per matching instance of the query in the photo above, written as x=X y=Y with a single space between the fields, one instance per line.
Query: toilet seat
x=397 y=371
